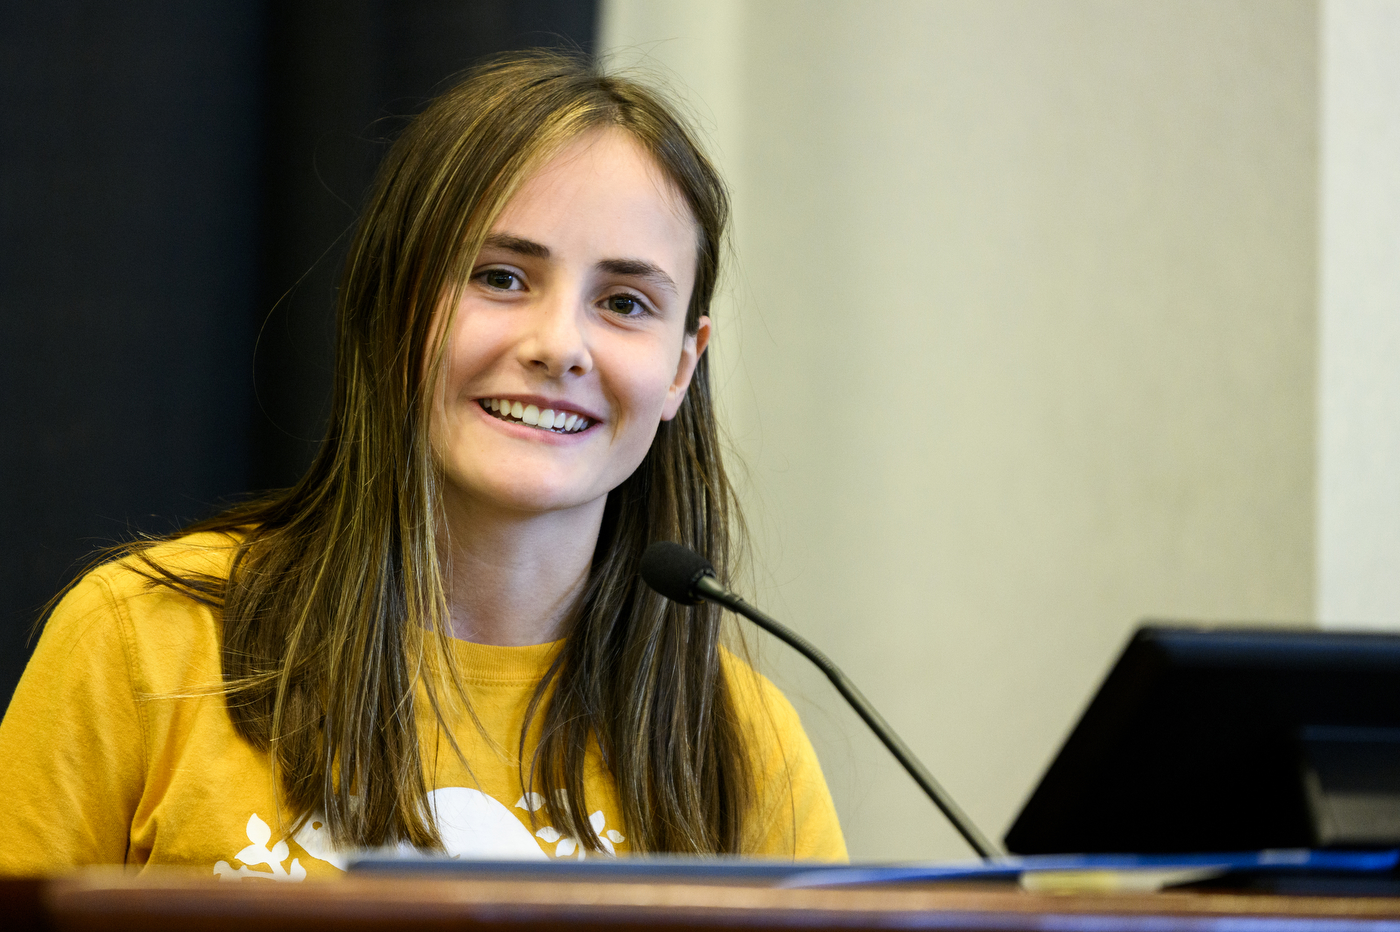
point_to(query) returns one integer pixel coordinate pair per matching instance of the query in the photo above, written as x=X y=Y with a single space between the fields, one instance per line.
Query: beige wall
x=1020 y=349
x=1358 y=578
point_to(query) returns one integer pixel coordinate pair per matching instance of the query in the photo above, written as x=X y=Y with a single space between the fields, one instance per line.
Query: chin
x=526 y=497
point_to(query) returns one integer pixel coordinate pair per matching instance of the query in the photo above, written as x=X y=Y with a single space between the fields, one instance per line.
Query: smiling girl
x=438 y=638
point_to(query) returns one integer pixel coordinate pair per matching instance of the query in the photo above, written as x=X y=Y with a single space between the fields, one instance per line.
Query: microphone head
x=673 y=570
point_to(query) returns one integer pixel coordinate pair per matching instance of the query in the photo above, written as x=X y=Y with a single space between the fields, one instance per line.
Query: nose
x=556 y=344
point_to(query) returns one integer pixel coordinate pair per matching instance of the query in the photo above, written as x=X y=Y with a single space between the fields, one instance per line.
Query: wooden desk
x=111 y=902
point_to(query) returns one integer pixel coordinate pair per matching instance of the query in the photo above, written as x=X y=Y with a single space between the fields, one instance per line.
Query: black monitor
x=1229 y=739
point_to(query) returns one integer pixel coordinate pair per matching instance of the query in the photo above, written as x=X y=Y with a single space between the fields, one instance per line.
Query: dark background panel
x=177 y=182
x=343 y=76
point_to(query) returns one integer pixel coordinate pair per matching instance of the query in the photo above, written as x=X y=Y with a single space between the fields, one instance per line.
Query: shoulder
x=83 y=733
x=207 y=555
x=779 y=746
x=137 y=611
x=189 y=569
x=794 y=816
x=148 y=573
x=761 y=706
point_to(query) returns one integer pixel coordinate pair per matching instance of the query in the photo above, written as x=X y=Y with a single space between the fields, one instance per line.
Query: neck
x=513 y=579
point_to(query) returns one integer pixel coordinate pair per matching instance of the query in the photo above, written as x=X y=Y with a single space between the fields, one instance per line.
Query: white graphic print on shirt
x=472 y=825
x=565 y=845
x=258 y=854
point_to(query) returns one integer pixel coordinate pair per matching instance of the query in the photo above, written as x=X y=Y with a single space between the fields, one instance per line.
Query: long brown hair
x=334 y=613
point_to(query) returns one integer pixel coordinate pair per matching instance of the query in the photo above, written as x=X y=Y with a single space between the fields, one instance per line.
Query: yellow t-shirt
x=116 y=748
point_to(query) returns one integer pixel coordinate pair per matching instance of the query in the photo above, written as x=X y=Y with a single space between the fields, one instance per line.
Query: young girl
x=439 y=638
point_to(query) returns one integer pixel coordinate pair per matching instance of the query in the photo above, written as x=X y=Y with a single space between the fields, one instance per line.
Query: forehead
x=606 y=181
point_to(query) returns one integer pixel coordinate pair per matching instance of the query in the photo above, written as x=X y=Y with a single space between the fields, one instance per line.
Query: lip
x=525 y=431
x=541 y=402
x=531 y=434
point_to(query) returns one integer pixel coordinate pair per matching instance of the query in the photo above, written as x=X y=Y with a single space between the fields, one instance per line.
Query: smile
x=513 y=412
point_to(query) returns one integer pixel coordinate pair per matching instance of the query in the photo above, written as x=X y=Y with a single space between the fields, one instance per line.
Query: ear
x=691 y=350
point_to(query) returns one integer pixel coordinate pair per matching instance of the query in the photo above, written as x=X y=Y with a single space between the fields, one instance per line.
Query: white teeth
x=548 y=419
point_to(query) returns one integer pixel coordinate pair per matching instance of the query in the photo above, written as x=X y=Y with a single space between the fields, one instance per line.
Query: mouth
x=556 y=422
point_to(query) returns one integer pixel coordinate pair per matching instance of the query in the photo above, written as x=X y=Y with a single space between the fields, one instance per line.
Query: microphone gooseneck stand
x=673 y=570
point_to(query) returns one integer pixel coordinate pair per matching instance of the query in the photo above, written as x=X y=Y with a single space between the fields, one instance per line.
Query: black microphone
x=682 y=575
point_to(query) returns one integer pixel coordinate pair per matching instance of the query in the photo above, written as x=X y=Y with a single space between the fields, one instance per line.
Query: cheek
x=639 y=384
x=476 y=342
x=468 y=353
x=646 y=399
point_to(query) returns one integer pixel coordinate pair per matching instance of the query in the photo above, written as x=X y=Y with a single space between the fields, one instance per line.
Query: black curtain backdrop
x=177 y=183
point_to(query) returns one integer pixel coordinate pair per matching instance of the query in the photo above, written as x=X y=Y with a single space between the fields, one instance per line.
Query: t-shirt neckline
x=496 y=663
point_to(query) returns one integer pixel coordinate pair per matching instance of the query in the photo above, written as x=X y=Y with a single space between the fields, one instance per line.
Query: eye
x=627 y=305
x=500 y=279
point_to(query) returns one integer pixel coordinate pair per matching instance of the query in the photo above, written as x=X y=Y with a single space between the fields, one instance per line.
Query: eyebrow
x=639 y=268
x=517 y=244
x=636 y=268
